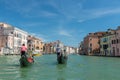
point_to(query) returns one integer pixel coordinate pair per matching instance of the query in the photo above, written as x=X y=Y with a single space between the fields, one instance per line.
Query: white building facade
x=20 y=37
x=11 y=39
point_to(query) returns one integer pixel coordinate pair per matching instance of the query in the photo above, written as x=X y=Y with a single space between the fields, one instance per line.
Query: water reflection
x=61 y=78
x=61 y=71
x=61 y=66
x=26 y=73
x=23 y=72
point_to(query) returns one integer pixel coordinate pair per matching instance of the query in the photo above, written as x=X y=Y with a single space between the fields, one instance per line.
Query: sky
x=66 y=20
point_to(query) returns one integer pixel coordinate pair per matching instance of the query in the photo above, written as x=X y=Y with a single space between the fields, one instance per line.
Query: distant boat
x=36 y=53
x=62 y=59
x=26 y=61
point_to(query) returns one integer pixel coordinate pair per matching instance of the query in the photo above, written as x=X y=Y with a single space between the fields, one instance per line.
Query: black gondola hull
x=25 y=61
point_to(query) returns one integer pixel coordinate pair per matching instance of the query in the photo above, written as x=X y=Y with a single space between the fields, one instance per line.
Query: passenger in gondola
x=23 y=50
x=65 y=54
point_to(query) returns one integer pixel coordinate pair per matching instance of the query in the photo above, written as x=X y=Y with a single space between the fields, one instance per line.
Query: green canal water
x=46 y=68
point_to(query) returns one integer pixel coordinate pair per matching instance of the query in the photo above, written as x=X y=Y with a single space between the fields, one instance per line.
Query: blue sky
x=66 y=20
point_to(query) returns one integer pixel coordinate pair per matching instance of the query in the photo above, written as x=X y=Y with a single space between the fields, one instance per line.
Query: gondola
x=26 y=61
x=62 y=59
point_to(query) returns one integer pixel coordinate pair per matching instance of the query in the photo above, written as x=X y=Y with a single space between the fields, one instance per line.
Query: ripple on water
x=46 y=68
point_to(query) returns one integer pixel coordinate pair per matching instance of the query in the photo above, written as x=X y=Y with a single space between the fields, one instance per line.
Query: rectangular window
x=11 y=32
x=105 y=46
x=117 y=50
x=113 y=50
x=105 y=39
x=90 y=44
x=112 y=41
x=117 y=41
x=90 y=39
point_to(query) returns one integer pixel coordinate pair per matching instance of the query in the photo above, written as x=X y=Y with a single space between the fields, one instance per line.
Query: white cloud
x=96 y=13
x=46 y=13
x=81 y=21
x=31 y=9
x=74 y=9
x=33 y=24
x=20 y=6
x=65 y=33
x=102 y=12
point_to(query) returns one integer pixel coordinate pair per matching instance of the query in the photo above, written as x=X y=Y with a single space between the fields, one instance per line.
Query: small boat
x=37 y=54
x=26 y=61
x=62 y=59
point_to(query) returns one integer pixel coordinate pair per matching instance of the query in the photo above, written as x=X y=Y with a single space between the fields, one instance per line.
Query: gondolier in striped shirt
x=58 y=50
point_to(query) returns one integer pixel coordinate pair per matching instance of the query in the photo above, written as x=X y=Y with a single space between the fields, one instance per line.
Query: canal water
x=46 y=68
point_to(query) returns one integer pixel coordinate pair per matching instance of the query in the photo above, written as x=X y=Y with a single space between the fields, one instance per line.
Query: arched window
x=37 y=47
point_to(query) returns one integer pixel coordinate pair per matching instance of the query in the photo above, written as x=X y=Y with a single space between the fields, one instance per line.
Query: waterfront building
x=47 y=48
x=81 y=48
x=72 y=50
x=76 y=50
x=5 y=35
x=105 y=43
x=92 y=43
x=20 y=37
x=67 y=49
x=30 y=43
x=11 y=39
x=115 y=43
x=50 y=47
x=38 y=44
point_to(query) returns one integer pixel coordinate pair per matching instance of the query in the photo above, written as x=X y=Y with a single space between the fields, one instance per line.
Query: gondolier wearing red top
x=23 y=50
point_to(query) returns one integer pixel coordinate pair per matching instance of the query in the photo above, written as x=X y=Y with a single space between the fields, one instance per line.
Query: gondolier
x=25 y=60
x=58 y=50
x=23 y=50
